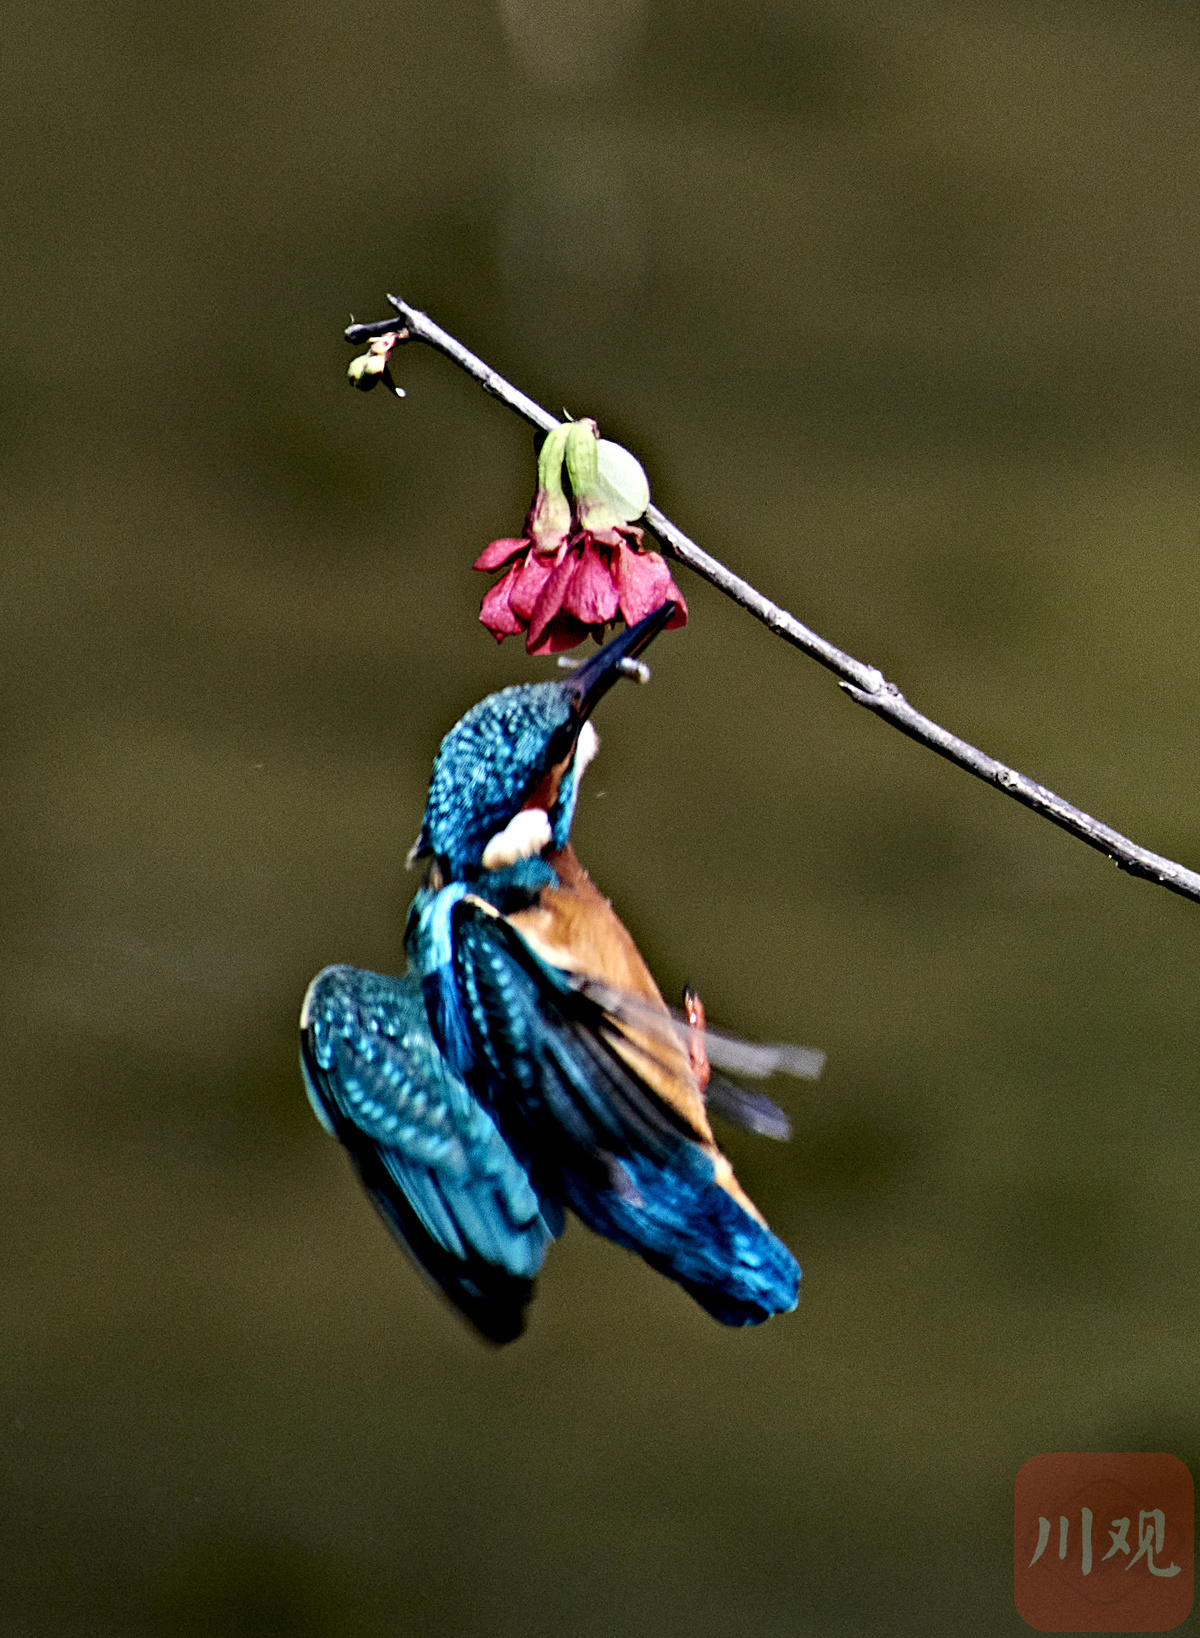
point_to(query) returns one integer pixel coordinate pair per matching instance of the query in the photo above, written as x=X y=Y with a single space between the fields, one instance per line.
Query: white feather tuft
x=525 y=834
x=586 y=747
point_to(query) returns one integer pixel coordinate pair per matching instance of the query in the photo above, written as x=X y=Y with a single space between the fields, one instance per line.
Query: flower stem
x=865 y=684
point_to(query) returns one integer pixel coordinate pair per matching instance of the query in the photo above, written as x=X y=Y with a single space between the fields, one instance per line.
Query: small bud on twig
x=370 y=368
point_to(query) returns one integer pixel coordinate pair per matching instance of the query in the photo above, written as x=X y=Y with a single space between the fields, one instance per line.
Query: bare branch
x=865 y=684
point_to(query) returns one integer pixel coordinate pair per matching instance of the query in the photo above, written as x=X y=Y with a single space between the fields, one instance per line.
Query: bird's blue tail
x=681 y=1221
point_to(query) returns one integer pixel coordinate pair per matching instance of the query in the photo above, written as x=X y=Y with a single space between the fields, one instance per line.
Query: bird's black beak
x=588 y=683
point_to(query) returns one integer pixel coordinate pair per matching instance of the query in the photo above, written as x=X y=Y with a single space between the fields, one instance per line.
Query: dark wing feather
x=543 y=1054
x=431 y=1158
x=741 y=1106
x=658 y=1036
x=533 y=1046
x=756 y=1059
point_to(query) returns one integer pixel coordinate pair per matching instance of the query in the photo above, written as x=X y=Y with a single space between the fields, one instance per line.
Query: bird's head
x=506 y=776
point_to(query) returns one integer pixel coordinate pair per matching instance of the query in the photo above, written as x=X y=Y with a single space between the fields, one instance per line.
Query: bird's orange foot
x=693 y=1009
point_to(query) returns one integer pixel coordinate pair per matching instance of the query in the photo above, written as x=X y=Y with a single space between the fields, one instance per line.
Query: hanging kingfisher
x=526 y=1061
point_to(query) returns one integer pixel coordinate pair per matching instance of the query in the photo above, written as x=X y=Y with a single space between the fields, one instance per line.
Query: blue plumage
x=496 y=1082
x=482 y=770
x=683 y=1224
x=428 y=1153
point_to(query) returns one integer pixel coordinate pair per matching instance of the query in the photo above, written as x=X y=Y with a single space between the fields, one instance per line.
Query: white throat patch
x=525 y=834
x=586 y=747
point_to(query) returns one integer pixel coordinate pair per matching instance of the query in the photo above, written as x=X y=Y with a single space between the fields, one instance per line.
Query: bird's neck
x=517 y=885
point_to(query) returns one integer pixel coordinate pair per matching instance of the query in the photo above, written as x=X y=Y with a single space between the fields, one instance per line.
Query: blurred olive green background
x=898 y=304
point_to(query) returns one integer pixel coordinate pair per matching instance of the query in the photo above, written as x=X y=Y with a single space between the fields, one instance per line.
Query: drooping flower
x=580 y=564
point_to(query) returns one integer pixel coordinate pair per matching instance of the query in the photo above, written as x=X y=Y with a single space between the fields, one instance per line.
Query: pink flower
x=578 y=567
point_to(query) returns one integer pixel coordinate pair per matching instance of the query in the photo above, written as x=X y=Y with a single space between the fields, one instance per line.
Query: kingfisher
x=526 y=1062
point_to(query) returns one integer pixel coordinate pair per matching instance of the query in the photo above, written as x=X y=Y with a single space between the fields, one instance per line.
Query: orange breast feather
x=573 y=926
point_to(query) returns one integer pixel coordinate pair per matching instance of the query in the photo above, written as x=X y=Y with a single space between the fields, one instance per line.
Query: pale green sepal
x=582 y=463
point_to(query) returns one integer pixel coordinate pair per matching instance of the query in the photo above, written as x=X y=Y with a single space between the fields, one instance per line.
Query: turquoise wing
x=429 y=1155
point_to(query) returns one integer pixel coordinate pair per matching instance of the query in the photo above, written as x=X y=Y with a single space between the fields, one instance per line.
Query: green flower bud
x=370 y=368
x=550 y=514
x=622 y=481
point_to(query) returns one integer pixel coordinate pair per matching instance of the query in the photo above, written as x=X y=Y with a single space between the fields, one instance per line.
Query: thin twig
x=865 y=684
